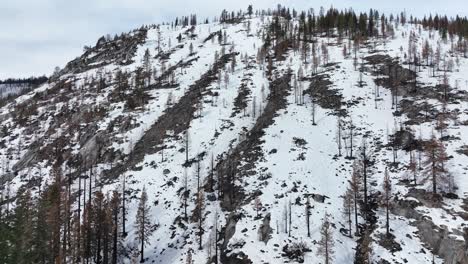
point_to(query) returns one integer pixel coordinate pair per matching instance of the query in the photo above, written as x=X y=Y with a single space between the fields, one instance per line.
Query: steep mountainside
x=253 y=137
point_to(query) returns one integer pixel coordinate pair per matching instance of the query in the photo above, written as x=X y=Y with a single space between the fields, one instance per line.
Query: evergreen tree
x=387 y=195
x=143 y=226
x=22 y=229
x=326 y=242
x=435 y=169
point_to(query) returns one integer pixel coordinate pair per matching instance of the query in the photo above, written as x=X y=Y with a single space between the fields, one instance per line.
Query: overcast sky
x=37 y=35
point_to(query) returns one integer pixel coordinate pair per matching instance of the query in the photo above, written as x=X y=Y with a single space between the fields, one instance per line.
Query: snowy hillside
x=245 y=135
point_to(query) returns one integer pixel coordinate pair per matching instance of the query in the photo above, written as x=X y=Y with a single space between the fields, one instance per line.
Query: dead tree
x=435 y=170
x=387 y=194
x=307 y=213
x=326 y=242
x=348 y=209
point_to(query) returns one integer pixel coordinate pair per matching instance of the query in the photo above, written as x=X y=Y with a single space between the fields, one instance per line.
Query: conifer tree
x=435 y=169
x=387 y=194
x=326 y=242
x=348 y=208
x=201 y=209
x=143 y=226
x=22 y=229
x=115 y=210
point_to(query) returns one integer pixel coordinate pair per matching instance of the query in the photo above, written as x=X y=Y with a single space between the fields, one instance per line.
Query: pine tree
x=326 y=243
x=250 y=11
x=147 y=67
x=191 y=49
x=348 y=199
x=308 y=213
x=355 y=187
x=124 y=232
x=435 y=169
x=22 y=229
x=115 y=210
x=387 y=194
x=54 y=218
x=187 y=145
x=339 y=135
x=98 y=218
x=143 y=226
x=365 y=156
x=42 y=230
x=201 y=208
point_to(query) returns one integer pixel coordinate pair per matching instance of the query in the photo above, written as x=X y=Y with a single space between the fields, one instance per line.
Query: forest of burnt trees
x=62 y=225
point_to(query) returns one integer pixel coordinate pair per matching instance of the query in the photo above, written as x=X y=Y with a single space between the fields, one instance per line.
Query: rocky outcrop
x=177 y=119
x=321 y=90
x=439 y=240
x=265 y=230
x=249 y=151
x=120 y=50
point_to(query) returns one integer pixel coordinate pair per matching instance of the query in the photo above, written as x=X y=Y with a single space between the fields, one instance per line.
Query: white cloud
x=37 y=35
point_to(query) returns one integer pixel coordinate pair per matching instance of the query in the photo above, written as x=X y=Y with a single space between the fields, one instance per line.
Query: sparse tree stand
x=143 y=226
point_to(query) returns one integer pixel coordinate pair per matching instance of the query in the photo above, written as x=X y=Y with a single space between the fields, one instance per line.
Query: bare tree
x=365 y=158
x=366 y=247
x=289 y=216
x=354 y=184
x=226 y=79
x=143 y=226
x=435 y=170
x=201 y=208
x=185 y=194
x=339 y=129
x=326 y=242
x=387 y=195
x=307 y=213
x=349 y=139
x=348 y=199
x=124 y=213
x=314 y=107
x=187 y=145
x=413 y=167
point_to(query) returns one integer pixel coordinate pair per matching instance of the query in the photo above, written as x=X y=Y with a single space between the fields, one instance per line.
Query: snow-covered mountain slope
x=268 y=133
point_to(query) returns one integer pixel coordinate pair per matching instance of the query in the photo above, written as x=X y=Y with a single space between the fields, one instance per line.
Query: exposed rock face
x=265 y=230
x=27 y=159
x=227 y=256
x=249 y=150
x=321 y=89
x=176 y=118
x=440 y=240
x=318 y=197
x=119 y=50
